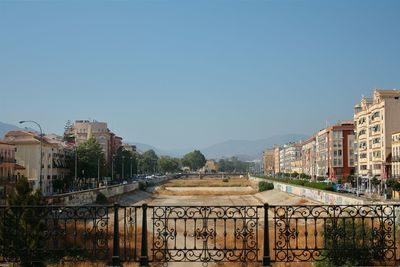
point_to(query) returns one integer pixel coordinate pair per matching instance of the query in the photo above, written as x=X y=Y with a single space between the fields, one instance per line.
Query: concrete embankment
x=325 y=197
x=89 y=196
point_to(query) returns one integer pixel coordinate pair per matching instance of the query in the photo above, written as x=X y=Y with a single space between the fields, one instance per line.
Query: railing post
x=144 y=257
x=266 y=256
x=115 y=257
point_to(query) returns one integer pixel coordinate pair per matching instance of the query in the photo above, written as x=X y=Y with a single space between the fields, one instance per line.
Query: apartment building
x=321 y=153
x=7 y=160
x=277 y=167
x=309 y=158
x=297 y=166
x=269 y=161
x=341 y=159
x=211 y=166
x=82 y=130
x=375 y=121
x=396 y=155
x=289 y=154
x=284 y=164
x=8 y=169
x=27 y=154
x=335 y=157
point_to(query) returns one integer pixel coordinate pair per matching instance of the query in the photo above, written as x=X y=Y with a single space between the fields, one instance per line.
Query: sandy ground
x=228 y=197
x=216 y=196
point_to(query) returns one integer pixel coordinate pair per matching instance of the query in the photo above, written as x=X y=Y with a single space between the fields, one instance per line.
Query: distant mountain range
x=243 y=149
x=248 y=149
x=164 y=152
x=5 y=127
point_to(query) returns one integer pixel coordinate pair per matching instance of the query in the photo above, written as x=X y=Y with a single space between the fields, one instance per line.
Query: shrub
x=142 y=186
x=225 y=180
x=320 y=178
x=101 y=199
x=305 y=176
x=22 y=229
x=348 y=243
x=306 y=183
x=265 y=186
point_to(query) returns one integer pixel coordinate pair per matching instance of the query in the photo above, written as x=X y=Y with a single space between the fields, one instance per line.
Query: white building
x=396 y=155
x=375 y=121
x=27 y=154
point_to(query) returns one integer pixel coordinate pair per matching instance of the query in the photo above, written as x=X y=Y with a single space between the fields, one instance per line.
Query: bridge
x=262 y=234
x=210 y=174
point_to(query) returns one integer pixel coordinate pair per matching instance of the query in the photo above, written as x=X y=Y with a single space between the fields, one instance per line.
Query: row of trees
x=233 y=165
x=91 y=163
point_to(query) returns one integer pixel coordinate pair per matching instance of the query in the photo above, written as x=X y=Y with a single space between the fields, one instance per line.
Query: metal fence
x=204 y=234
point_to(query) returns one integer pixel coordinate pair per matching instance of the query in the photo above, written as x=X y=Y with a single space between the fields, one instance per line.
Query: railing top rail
x=201 y=206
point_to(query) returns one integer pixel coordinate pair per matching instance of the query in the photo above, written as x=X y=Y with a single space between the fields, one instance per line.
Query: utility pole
x=98 y=171
x=112 y=167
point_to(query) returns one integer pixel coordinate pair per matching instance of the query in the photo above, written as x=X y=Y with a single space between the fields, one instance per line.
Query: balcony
x=396 y=159
x=7 y=160
x=363 y=160
x=376 y=145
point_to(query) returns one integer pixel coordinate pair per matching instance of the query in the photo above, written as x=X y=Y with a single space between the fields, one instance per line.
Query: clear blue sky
x=179 y=74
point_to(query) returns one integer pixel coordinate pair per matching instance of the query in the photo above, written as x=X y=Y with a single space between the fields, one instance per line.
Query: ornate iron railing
x=315 y=233
x=204 y=234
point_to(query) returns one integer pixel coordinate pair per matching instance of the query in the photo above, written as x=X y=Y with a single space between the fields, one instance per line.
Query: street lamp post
x=112 y=168
x=131 y=158
x=76 y=161
x=123 y=157
x=41 y=152
x=98 y=171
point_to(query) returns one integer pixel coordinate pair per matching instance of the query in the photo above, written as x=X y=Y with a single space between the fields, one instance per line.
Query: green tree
x=394 y=184
x=23 y=229
x=147 y=163
x=221 y=165
x=375 y=181
x=168 y=164
x=68 y=181
x=233 y=165
x=89 y=153
x=305 y=176
x=128 y=158
x=194 y=160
